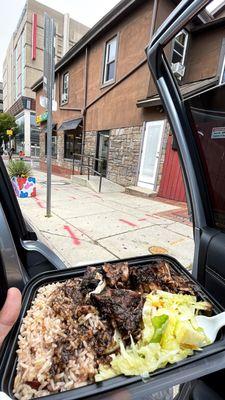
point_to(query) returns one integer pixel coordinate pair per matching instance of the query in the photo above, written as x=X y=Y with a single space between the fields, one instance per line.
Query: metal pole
x=100 y=184
x=50 y=31
x=88 y=167
x=81 y=163
x=73 y=163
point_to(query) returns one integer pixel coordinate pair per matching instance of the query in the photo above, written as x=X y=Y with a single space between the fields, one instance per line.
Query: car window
x=208 y=119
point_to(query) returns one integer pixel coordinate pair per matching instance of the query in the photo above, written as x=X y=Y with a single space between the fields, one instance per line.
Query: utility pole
x=48 y=86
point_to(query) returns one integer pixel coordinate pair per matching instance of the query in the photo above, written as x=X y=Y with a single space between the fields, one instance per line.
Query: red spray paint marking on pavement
x=142 y=219
x=127 y=222
x=76 y=241
x=39 y=202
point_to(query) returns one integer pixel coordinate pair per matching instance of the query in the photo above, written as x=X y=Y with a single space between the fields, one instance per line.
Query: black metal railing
x=79 y=159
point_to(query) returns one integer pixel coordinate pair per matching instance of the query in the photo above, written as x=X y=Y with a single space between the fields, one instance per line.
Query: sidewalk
x=87 y=227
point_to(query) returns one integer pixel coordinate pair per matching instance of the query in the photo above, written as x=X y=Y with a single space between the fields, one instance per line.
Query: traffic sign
x=9 y=132
x=44 y=103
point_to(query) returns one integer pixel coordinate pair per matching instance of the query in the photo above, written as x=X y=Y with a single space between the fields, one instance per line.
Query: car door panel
x=209 y=257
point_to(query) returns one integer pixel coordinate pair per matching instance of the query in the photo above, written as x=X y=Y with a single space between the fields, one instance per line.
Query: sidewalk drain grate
x=157 y=250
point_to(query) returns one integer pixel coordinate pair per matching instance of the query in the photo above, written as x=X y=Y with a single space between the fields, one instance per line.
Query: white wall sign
x=218 y=133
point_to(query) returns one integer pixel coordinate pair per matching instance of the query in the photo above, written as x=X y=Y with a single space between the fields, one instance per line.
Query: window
x=54 y=144
x=102 y=152
x=179 y=47
x=19 y=138
x=208 y=121
x=222 y=76
x=34 y=130
x=72 y=144
x=110 y=60
x=65 y=88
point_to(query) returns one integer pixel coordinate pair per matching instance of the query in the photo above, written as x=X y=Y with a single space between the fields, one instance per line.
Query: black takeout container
x=105 y=389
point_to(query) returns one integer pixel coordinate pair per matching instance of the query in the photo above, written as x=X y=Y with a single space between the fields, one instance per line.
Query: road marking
x=39 y=202
x=142 y=219
x=177 y=241
x=127 y=222
x=75 y=239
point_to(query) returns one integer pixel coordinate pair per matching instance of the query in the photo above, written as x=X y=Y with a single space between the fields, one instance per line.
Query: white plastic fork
x=211 y=325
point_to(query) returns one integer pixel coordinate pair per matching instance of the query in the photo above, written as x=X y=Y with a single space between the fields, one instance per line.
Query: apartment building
x=23 y=63
x=109 y=106
x=1 y=97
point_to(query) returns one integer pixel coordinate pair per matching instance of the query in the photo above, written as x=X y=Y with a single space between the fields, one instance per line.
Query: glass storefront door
x=102 y=152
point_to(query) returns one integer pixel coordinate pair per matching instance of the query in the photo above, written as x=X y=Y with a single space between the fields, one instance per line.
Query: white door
x=152 y=145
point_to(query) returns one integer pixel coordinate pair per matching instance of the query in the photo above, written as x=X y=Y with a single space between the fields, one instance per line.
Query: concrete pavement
x=87 y=227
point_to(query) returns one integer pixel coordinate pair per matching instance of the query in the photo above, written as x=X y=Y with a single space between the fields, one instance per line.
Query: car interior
x=24 y=258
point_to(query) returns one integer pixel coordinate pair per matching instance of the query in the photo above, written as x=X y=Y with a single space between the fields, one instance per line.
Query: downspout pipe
x=84 y=113
x=154 y=16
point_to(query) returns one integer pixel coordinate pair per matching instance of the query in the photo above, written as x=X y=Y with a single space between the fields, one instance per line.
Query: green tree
x=7 y=122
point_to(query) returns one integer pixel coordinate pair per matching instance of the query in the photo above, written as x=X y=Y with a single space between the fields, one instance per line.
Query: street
x=88 y=227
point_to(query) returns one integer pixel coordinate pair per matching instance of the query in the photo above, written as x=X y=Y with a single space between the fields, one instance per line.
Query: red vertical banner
x=34 y=36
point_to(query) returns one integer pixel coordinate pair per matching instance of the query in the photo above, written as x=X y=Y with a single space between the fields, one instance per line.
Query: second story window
x=65 y=88
x=109 y=72
x=179 y=53
x=179 y=47
x=222 y=73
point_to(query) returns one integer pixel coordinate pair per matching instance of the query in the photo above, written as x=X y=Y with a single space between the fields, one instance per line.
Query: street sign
x=9 y=132
x=44 y=103
x=41 y=118
x=48 y=85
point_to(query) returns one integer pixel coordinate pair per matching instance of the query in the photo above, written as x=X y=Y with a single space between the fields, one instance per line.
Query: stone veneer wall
x=166 y=132
x=123 y=156
x=90 y=143
x=89 y=149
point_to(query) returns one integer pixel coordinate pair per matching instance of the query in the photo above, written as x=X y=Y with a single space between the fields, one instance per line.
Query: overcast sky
x=86 y=11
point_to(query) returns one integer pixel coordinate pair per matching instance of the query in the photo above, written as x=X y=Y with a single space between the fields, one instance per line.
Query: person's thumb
x=10 y=312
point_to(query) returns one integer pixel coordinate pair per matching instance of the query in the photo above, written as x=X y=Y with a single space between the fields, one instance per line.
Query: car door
x=198 y=124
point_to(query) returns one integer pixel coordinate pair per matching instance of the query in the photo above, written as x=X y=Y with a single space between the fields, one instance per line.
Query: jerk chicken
x=114 y=294
x=123 y=308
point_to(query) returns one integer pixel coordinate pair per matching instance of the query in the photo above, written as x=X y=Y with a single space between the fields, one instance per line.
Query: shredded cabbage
x=170 y=334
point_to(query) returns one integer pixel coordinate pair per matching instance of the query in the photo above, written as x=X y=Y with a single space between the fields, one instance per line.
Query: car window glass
x=207 y=112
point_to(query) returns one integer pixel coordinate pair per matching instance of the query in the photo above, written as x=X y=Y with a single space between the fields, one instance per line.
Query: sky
x=86 y=11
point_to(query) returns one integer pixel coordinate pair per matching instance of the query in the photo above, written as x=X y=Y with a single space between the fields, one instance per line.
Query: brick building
x=108 y=103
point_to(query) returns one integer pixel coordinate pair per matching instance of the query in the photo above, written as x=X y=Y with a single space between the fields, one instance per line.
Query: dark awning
x=69 y=125
x=187 y=90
